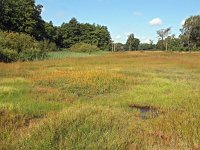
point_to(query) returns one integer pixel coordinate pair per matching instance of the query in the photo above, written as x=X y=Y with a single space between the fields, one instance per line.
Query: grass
x=64 y=54
x=84 y=102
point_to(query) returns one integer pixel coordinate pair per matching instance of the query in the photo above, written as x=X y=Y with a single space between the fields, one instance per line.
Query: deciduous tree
x=162 y=34
x=191 y=31
x=22 y=16
x=132 y=43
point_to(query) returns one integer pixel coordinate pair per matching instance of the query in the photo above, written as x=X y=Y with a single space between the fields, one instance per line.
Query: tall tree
x=132 y=43
x=102 y=37
x=71 y=33
x=162 y=34
x=50 y=31
x=173 y=43
x=22 y=16
x=191 y=31
x=75 y=32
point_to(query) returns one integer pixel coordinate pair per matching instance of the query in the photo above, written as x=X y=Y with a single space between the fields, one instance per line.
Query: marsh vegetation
x=63 y=104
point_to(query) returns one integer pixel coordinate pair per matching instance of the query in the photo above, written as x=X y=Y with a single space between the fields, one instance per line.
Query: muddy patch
x=146 y=112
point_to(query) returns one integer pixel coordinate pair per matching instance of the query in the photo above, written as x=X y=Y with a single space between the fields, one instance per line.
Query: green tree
x=147 y=46
x=191 y=32
x=71 y=33
x=136 y=44
x=132 y=43
x=119 y=47
x=74 y=32
x=22 y=16
x=174 y=43
x=102 y=37
x=162 y=34
x=96 y=35
x=50 y=31
x=195 y=36
x=25 y=16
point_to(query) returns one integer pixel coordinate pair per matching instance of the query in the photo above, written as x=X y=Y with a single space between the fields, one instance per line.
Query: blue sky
x=122 y=17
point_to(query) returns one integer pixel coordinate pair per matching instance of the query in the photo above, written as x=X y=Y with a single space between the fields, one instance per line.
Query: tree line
x=188 y=40
x=74 y=32
x=22 y=18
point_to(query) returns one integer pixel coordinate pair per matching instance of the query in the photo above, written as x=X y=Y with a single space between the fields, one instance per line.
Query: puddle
x=146 y=112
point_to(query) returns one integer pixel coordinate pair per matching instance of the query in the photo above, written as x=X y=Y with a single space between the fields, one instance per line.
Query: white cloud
x=155 y=22
x=137 y=13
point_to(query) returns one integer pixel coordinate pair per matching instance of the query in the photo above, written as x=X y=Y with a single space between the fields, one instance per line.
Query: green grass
x=65 y=54
x=83 y=103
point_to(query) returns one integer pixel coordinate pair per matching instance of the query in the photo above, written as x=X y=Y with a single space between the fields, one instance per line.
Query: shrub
x=46 y=45
x=84 y=47
x=7 y=55
x=20 y=46
x=17 y=41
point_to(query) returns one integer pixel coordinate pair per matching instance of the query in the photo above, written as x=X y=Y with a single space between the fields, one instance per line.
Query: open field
x=128 y=100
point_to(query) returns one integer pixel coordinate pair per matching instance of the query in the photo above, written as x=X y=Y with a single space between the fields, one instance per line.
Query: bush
x=17 y=41
x=46 y=45
x=7 y=55
x=20 y=46
x=84 y=47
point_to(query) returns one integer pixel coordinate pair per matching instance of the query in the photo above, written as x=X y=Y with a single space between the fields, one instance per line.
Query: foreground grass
x=84 y=103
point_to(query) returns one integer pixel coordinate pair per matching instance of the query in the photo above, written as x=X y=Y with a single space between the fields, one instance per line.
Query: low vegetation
x=19 y=46
x=84 y=47
x=61 y=104
x=73 y=82
x=70 y=54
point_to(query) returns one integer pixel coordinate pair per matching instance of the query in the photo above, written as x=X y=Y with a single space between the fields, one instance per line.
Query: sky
x=123 y=17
